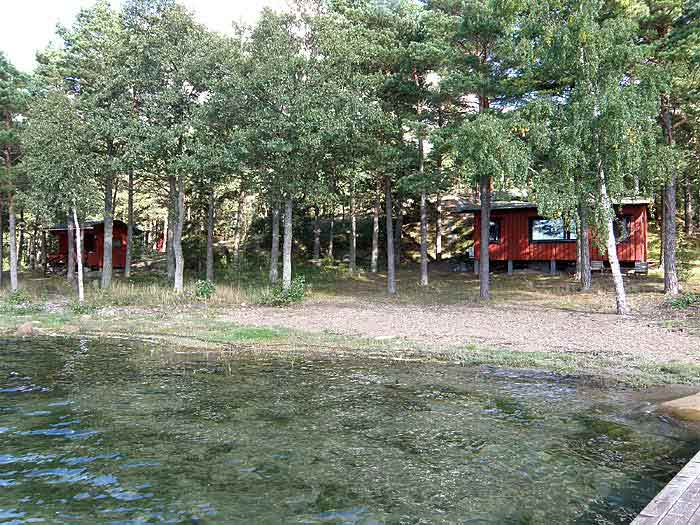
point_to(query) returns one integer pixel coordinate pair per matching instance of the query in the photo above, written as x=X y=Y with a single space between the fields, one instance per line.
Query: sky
x=29 y=25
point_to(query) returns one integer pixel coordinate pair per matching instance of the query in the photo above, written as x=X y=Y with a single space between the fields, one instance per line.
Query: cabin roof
x=471 y=207
x=91 y=225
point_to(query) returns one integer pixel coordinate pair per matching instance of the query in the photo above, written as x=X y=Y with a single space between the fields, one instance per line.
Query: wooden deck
x=679 y=502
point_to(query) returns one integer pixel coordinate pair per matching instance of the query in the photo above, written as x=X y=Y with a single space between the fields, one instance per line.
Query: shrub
x=204 y=289
x=82 y=308
x=19 y=297
x=278 y=296
x=683 y=301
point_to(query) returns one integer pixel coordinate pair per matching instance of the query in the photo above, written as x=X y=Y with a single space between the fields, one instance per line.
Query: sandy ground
x=511 y=327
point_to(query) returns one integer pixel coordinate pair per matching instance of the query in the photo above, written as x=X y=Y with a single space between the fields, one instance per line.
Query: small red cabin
x=519 y=233
x=93 y=244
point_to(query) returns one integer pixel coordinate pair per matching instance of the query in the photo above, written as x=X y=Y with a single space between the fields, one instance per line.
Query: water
x=107 y=432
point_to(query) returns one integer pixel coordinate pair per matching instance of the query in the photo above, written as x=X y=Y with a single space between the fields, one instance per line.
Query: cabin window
x=550 y=230
x=494 y=232
x=623 y=228
x=117 y=243
x=89 y=242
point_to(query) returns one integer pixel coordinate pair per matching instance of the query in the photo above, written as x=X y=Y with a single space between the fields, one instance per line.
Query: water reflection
x=106 y=432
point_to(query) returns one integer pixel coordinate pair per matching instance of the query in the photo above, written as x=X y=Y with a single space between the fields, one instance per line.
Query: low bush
x=204 y=289
x=82 y=308
x=19 y=297
x=278 y=296
x=683 y=301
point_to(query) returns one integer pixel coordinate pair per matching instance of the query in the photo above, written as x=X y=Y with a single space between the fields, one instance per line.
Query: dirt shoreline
x=505 y=326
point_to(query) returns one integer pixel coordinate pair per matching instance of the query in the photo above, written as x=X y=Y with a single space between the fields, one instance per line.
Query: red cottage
x=519 y=233
x=93 y=244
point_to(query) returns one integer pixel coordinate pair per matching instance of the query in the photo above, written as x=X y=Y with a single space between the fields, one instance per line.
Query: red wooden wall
x=93 y=258
x=515 y=243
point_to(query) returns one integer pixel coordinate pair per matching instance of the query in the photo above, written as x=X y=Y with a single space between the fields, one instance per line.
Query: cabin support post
x=510 y=266
x=476 y=266
x=553 y=266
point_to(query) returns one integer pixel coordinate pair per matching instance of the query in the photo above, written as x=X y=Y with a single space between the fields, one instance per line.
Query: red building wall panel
x=515 y=243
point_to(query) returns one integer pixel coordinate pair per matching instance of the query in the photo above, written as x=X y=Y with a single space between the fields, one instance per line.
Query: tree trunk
x=32 y=249
x=210 y=237
x=688 y=211
x=44 y=255
x=577 y=275
x=179 y=281
x=375 y=232
x=70 y=262
x=130 y=226
x=438 y=229
x=611 y=245
x=275 y=248
x=671 y=286
x=353 y=232
x=287 y=248
x=585 y=242
x=331 y=236
x=106 y=280
x=20 y=248
x=170 y=231
x=14 y=284
x=423 y=239
x=390 y=268
x=484 y=284
x=317 y=236
x=238 y=232
x=78 y=244
x=399 y=230
x=2 y=241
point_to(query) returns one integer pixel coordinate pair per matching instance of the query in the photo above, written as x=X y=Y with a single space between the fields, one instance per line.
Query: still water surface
x=108 y=432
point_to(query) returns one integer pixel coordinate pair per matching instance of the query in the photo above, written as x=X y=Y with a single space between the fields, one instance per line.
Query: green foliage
x=204 y=289
x=684 y=301
x=83 y=308
x=19 y=297
x=278 y=296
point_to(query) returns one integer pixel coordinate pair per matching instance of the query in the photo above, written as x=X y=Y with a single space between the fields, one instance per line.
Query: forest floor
x=534 y=321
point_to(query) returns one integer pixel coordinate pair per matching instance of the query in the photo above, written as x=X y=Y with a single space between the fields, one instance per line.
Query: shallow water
x=105 y=432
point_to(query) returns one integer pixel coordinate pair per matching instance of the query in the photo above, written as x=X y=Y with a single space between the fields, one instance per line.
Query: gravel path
x=503 y=326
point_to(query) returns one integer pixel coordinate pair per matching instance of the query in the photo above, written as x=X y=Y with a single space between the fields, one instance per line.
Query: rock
x=25 y=330
x=687 y=408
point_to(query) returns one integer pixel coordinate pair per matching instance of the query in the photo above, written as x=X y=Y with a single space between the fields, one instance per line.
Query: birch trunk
x=353 y=233
x=14 y=285
x=78 y=244
x=130 y=225
x=438 y=229
x=390 y=264
x=287 y=249
x=330 y=238
x=611 y=245
x=375 y=233
x=484 y=284
x=210 y=238
x=317 y=236
x=275 y=248
x=32 y=249
x=20 y=246
x=106 y=280
x=688 y=208
x=585 y=241
x=170 y=230
x=70 y=270
x=423 y=239
x=179 y=281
